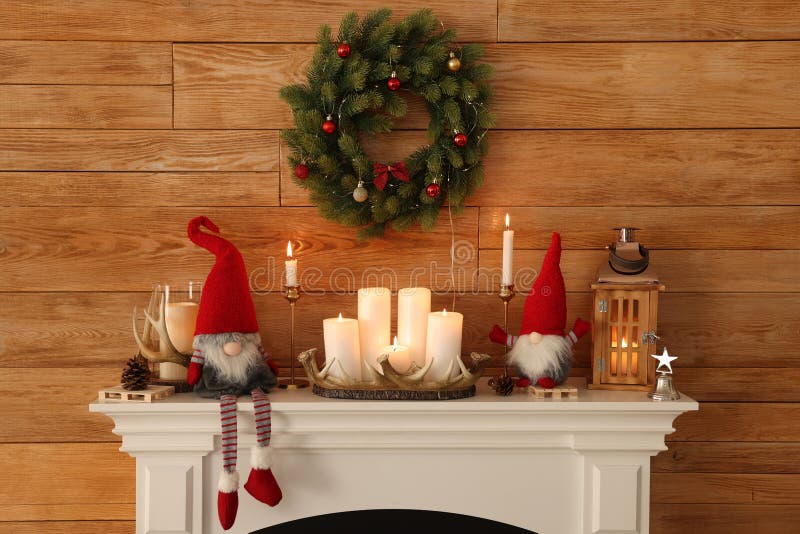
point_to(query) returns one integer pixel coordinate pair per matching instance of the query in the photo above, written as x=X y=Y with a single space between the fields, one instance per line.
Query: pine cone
x=502 y=385
x=136 y=374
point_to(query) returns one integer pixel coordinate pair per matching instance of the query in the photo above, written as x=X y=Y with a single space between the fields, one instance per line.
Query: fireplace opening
x=391 y=522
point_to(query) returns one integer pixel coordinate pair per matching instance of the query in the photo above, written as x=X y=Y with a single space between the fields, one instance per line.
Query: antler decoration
x=162 y=350
x=413 y=379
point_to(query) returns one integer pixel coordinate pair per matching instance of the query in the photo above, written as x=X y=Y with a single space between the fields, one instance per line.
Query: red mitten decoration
x=523 y=382
x=581 y=327
x=546 y=382
x=195 y=371
x=498 y=335
x=273 y=366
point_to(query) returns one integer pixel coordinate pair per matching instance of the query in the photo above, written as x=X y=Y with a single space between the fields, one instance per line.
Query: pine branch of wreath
x=352 y=89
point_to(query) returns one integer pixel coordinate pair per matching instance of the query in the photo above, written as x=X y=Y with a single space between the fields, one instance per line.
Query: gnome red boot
x=261 y=483
x=228 y=498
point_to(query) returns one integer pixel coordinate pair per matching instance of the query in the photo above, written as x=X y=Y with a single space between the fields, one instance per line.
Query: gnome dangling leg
x=542 y=353
x=228 y=496
x=261 y=483
x=229 y=361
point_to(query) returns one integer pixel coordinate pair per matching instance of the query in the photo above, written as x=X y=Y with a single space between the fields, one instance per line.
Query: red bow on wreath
x=382 y=171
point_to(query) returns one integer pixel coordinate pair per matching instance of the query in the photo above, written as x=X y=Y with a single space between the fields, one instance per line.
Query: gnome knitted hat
x=225 y=304
x=546 y=305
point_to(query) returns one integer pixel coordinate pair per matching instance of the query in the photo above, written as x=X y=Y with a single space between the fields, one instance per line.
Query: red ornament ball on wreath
x=433 y=190
x=302 y=171
x=343 y=50
x=393 y=83
x=460 y=139
x=329 y=126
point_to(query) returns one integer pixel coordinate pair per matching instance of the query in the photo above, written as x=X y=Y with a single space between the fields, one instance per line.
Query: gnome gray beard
x=234 y=369
x=551 y=356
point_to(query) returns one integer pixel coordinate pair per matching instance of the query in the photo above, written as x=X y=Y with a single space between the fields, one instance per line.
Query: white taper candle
x=508 y=255
x=291 y=267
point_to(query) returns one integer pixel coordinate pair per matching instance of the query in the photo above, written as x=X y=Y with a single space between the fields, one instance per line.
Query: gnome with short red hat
x=229 y=361
x=542 y=354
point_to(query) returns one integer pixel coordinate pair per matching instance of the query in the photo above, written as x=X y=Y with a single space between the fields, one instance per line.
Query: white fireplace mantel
x=555 y=467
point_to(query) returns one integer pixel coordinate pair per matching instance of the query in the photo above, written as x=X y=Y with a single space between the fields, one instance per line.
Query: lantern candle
x=374 y=322
x=413 y=307
x=443 y=343
x=508 y=255
x=399 y=356
x=291 y=267
x=341 y=342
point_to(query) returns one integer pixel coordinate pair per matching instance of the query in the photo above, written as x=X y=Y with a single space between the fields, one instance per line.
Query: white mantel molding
x=579 y=466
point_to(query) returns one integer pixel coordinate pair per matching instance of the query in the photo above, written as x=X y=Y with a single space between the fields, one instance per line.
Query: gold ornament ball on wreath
x=454 y=64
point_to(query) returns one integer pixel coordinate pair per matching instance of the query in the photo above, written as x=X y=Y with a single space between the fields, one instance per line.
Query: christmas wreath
x=353 y=89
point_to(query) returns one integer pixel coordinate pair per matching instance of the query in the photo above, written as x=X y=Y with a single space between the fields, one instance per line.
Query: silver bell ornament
x=664 y=389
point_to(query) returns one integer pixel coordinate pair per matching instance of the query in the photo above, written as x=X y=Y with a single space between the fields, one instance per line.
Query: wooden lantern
x=624 y=334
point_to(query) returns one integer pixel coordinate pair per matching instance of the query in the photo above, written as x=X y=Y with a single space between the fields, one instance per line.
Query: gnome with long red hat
x=229 y=361
x=542 y=354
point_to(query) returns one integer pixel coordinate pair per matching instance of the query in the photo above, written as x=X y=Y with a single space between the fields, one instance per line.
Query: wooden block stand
x=556 y=393
x=120 y=394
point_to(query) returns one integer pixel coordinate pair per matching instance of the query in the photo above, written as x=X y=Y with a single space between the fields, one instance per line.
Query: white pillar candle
x=443 y=343
x=413 y=307
x=180 y=319
x=399 y=356
x=508 y=255
x=374 y=321
x=291 y=267
x=341 y=342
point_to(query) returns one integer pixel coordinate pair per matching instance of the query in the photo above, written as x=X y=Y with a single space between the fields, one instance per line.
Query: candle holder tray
x=390 y=384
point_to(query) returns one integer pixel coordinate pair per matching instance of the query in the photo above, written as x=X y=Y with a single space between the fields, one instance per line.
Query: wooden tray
x=393 y=394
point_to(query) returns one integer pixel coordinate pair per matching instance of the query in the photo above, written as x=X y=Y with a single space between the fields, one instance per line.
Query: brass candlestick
x=504 y=384
x=292 y=295
x=506 y=294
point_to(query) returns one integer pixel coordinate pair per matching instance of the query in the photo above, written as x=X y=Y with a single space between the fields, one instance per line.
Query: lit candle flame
x=444 y=312
x=340 y=317
x=289 y=249
x=624 y=343
x=395 y=342
x=507 y=225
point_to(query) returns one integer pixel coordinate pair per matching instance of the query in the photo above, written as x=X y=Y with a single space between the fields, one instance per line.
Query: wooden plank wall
x=121 y=119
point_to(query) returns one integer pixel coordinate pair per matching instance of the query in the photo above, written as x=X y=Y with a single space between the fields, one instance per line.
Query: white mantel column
x=169 y=445
x=616 y=493
x=169 y=499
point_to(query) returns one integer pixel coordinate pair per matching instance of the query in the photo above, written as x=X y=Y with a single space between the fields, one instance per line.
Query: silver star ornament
x=664 y=360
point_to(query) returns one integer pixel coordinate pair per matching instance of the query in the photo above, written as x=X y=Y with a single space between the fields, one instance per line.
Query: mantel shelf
x=486 y=401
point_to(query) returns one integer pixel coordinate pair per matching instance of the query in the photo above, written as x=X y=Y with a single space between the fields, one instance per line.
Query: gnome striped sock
x=227 y=413
x=228 y=497
x=261 y=483
x=263 y=415
x=197 y=357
